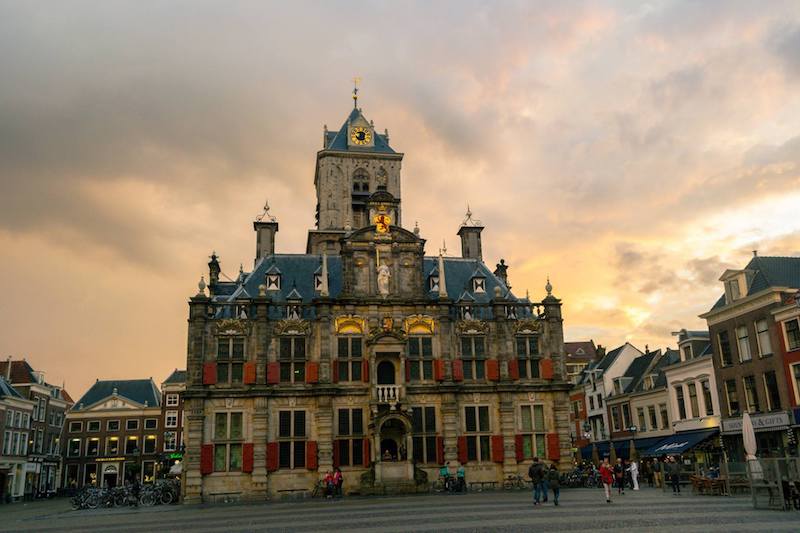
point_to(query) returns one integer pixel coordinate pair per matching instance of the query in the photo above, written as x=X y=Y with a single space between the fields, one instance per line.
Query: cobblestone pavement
x=580 y=510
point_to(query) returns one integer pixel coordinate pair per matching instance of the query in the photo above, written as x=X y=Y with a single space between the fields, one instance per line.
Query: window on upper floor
x=171 y=419
x=349 y=442
x=75 y=427
x=112 y=425
x=662 y=407
x=528 y=356
x=533 y=431
x=626 y=416
x=420 y=358
x=651 y=411
x=433 y=283
x=762 y=336
x=642 y=421
x=743 y=344
x=112 y=446
x=687 y=352
x=693 y=404
x=681 y=402
x=751 y=394
x=74 y=448
x=173 y=400
x=616 y=421
x=479 y=285
x=273 y=282
x=792 y=330
x=170 y=441
x=473 y=354
x=591 y=403
x=706 y=386
x=725 y=355
x=732 y=289
x=771 y=388
x=423 y=424
x=292 y=359
x=732 y=397
x=92 y=447
x=132 y=424
x=360 y=181
x=477 y=429
x=350 y=353
x=230 y=359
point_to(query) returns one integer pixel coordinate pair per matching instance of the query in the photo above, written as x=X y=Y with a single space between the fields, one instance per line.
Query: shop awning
x=602 y=450
x=623 y=447
x=680 y=442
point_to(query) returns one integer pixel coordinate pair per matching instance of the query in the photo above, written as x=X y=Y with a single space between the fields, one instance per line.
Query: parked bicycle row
x=162 y=492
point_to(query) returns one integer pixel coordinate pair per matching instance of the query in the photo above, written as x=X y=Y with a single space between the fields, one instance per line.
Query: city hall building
x=365 y=353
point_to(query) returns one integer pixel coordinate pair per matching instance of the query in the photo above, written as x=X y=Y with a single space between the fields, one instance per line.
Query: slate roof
x=588 y=347
x=637 y=369
x=7 y=391
x=609 y=358
x=337 y=140
x=177 y=376
x=769 y=272
x=298 y=275
x=137 y=390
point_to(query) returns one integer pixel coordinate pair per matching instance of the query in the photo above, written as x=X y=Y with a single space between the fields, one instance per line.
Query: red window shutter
x=273 y=373
x=519 y=448
x=312 y=372
x=336 y=445
x=498 y=454
x=365 y=371
x=366 y=451
x=513 y=369
x=249 y=373
x=247 y=457
x=438 y=370
x=553 y=447
x=439 y=450
x=311 y=455
x=206 y=459
x=492 y=370
x=335 y=371
x=272 y=456
x=547 y=368
x=462 y=449
x=458 y=370
x=209 y=373
x=408 y=370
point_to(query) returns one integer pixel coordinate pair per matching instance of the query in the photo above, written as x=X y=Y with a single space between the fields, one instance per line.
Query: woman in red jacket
x=607 y=477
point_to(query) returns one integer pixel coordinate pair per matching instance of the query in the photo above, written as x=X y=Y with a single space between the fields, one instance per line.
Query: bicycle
x=514 y=481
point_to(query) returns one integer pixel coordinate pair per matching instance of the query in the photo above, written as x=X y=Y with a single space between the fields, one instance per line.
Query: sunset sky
x=630 y=150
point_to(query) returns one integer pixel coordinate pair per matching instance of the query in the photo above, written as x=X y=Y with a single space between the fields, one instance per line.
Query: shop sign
x=760 y=422
x=176 y=455
x=104 y=459
x=32 y=467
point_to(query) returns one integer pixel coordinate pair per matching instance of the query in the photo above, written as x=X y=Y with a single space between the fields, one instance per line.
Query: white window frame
x=171 y=414
x=79 y=425
x=786 y=334
x=534 y=433
x=108 y=423
x=154 y=426
x=743 y=341
x=765 y=332
x=170 y=437
x=479 y=434
x=128 y=422
x=479 y=285
x=173 y=400
x=795 y=371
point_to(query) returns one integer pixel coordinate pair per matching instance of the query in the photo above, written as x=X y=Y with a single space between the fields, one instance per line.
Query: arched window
x=360 y=181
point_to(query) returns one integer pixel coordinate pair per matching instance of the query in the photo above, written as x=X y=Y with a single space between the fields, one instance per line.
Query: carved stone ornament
x=527 y=325
x=395 y=333
x=418 y=325
x=232 y=326
x=350 y=324
x=292 y=326
x=471 y=327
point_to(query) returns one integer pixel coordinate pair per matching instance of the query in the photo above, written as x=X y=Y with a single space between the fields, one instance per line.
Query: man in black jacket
x=536 y=473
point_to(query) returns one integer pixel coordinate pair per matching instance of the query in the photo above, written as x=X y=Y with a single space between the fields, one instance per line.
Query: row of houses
x=690 y=400
x=119 y=430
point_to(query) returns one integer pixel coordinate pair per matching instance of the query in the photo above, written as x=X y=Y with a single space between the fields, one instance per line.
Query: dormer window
x=733 y=289
x=433 y=283
x=687 y=352
x=360 y=181
x=479 y=285
x=317 y=282
x=273 y=282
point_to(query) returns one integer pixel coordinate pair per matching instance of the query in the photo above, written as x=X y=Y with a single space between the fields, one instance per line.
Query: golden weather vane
x=356 y=81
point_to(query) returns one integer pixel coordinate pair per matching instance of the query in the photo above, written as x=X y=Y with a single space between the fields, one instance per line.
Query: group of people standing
x=544 y=479
x=619 y=475
x=333 y=482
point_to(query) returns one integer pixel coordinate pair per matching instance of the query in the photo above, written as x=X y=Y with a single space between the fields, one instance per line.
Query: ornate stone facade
x=367 y=354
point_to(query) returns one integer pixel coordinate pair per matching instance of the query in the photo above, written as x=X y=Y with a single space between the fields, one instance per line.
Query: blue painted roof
x=177 y=376
x=769 y=272
x=138 y=390
x=637 y=369
x=337 y=140
x=297 y=273
x=7 y=391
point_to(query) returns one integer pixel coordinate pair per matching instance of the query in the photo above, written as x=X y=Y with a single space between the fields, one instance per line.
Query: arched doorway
x=393 y=440
x=386 y=373
x=110 y=473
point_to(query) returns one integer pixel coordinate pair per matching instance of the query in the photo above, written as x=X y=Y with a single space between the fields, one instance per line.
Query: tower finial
x=549 y=287
x=356 y=81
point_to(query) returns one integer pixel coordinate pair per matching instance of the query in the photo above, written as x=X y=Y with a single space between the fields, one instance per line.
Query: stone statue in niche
x=384 y=276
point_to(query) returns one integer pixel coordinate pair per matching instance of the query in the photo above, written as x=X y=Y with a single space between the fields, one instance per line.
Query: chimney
x=601 y=351
x=8 y=369
x=470 y=233
x=265 y=237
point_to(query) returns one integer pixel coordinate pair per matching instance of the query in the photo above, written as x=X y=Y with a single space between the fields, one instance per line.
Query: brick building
x=113 y=433
x=15 y=423
x=365 y=353
x=172 y=421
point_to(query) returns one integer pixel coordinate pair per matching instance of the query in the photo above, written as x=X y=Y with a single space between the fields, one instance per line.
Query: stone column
x=450 y=431
x=324 y=418
x=508 y=430
x=260 y=437
x=193 y=439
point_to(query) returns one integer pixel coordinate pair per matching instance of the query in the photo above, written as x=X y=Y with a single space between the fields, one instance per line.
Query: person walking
x=607 y=477
x=338 y=481
x=657 y=467
x=536 y=473
x=619 y=475
x=675 y=475
x=555 y=482
x=633 y=468
x=461 y=476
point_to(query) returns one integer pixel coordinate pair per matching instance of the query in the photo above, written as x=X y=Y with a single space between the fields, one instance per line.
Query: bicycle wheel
x=166 y=497
x=147 y=499
x=92 y=502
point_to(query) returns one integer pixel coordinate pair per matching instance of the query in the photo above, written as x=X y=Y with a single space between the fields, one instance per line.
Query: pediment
x=113 y=402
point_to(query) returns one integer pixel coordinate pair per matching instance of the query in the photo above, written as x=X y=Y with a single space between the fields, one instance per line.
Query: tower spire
x=356 y=81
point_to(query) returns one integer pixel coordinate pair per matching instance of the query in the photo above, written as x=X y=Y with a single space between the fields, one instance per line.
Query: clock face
x=360 y=135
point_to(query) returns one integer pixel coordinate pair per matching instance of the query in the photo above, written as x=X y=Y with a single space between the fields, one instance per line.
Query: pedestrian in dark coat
x=536 y=473
x=554 y=482
x=675 y=475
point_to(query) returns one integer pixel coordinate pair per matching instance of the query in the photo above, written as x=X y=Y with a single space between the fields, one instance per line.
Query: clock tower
x=355 y=162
